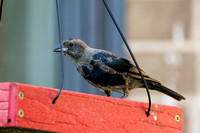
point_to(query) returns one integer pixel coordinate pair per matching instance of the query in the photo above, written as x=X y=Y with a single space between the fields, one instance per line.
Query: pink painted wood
x=78 y=112
x=4 y=97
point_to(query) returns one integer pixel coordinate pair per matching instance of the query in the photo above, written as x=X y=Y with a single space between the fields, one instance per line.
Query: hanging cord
x=61 y=54
x=125 y=42
x=1 y=9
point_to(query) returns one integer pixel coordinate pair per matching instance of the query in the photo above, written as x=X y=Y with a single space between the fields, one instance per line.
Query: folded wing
x=121 y=65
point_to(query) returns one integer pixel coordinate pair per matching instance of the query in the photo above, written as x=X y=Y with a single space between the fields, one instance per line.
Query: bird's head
x=72 y=48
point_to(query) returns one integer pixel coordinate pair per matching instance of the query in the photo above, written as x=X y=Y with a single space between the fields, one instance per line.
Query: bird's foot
x=125 y=95
x=108 y=93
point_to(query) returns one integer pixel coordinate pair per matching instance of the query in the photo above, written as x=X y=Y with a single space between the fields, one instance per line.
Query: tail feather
x=165 y=90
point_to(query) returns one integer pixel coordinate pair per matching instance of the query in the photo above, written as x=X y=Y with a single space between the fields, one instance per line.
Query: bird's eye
x=71 y=44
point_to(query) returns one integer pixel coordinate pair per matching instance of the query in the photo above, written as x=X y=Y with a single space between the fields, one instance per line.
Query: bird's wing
x=121 y=65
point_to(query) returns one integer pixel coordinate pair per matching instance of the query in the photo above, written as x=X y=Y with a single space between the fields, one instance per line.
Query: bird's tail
x=165 y=90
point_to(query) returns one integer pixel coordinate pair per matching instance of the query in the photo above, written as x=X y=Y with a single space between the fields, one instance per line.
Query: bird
x=108 y=71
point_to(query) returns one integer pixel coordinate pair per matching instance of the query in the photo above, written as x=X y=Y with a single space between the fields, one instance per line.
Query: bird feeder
x=29 y=108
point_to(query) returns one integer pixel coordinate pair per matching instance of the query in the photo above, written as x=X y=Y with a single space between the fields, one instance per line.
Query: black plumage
x=108 y=71
x=98 y=76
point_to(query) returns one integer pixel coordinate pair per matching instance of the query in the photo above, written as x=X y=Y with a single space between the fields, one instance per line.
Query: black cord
x=1 y=10
x=61 y=54
x=125 y=42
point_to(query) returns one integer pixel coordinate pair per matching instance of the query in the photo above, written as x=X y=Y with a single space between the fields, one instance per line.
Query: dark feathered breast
x=101 y=77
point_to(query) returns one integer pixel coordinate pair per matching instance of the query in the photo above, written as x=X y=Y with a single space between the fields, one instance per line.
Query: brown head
x=72 y=48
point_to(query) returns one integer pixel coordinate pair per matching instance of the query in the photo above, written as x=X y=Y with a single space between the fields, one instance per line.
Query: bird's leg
x=108 y=93
x=125 y=93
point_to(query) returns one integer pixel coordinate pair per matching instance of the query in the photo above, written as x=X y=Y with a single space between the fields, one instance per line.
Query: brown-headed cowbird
x=108 y=71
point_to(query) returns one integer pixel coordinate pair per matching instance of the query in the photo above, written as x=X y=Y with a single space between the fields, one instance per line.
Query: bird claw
x=125 y=95
x=108 y=93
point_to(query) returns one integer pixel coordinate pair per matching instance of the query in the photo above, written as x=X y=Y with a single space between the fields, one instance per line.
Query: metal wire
x=125 y=42
x=1 y=9
x=61 y=54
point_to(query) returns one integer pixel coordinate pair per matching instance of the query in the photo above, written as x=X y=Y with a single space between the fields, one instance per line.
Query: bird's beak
x=58 y=49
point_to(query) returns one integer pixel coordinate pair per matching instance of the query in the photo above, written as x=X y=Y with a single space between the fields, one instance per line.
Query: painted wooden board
x=31 y=107
x=4 y=96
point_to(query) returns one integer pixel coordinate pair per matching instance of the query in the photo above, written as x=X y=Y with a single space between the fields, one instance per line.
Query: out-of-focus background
x=164 y=36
